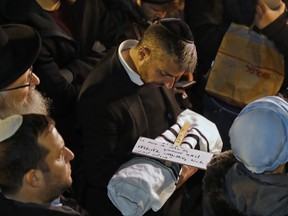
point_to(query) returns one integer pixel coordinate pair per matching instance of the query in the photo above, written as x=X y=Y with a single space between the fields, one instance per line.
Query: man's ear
x=34 y=178
x=143 y=54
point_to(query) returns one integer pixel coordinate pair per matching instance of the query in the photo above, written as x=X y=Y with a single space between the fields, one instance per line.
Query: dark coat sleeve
x=277 y=31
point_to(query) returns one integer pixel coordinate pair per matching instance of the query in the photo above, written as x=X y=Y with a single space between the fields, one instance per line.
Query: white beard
x=35 y=103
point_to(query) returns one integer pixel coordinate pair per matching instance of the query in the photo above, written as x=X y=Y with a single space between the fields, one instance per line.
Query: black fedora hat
x=19 y=48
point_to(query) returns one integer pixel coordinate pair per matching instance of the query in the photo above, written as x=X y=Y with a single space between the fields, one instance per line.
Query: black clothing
x=13 y=208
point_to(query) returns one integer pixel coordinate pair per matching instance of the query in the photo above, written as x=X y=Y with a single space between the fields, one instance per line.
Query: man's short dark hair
x=174 y=37
x=22 y=152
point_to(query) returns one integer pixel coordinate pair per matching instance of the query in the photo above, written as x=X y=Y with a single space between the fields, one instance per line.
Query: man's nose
x=69 y=155
x=35 y=80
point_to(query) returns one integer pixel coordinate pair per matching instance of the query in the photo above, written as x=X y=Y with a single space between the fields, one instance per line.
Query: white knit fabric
x=141 y=184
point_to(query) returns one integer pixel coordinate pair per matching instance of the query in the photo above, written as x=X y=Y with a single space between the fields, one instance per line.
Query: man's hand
x=264 y=15
x=187 y=76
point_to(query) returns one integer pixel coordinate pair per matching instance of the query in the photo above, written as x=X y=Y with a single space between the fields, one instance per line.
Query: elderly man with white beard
x=19 y=46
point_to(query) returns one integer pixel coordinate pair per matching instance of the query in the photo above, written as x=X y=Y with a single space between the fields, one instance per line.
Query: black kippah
x=178 y=28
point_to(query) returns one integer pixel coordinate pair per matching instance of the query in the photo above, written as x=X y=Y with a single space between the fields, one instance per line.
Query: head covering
x=9 y=126
x=258 y=135
x=178 y=28
x=158 y=1
x=19 y=48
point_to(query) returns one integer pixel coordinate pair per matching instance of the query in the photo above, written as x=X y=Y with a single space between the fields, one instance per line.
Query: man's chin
x=36 y=103
x=69 y=182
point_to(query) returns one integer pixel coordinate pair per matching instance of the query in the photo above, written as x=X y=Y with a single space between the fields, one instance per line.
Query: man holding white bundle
x=130 y=94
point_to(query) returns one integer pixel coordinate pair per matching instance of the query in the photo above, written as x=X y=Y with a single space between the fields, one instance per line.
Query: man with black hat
x=19 y=47
x=69 y=31
x=130 y=94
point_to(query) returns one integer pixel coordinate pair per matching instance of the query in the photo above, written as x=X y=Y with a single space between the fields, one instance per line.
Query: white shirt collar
x=134 y=77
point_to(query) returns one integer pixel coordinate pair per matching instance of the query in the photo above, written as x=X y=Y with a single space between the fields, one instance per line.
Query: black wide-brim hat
x=19 y=48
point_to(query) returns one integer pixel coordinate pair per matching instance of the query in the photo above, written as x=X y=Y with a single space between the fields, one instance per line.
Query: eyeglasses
x=29 y=79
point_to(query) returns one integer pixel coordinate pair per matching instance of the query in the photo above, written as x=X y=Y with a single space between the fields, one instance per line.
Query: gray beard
x=35 y=103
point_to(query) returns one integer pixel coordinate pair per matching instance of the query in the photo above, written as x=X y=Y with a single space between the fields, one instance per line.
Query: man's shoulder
x=100 y=73
x=14 y=208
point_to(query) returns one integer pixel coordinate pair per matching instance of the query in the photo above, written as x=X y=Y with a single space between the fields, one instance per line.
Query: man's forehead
x=170 y=67
x=51 y=139
x=47 y=135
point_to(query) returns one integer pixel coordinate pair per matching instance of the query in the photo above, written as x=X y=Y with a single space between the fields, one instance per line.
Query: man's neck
x=129 y=61
x=49 y=5
x=26 y=198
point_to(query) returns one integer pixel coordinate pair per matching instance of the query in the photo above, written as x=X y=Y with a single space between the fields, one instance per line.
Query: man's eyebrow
x=166 y=73
x=48 y=130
